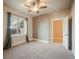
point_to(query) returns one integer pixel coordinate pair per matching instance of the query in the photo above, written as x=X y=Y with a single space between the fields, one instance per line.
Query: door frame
x=51 y=28
x=64 y=18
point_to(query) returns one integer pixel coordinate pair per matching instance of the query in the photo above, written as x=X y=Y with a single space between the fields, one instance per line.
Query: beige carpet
x=37 y=50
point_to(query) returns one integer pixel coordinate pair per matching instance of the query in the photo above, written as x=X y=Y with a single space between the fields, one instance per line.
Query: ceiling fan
x=35 y=5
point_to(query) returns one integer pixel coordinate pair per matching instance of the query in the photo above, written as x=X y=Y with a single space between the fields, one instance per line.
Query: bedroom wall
x=35 y=32
x=73 y=26
x=41 y=29
x=7 y=9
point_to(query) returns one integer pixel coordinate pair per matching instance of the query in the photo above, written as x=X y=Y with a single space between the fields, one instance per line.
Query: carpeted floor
x=37 y=50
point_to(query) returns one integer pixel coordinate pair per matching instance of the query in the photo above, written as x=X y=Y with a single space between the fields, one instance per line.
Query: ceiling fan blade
x=38 y=1
x=43 y=6
x=29 y=11
x=27 y=5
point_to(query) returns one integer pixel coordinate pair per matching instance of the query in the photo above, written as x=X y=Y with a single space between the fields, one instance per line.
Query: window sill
x=18 y=34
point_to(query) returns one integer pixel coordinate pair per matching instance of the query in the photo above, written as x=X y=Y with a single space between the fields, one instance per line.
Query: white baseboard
x=34 y=39
x=43 y=41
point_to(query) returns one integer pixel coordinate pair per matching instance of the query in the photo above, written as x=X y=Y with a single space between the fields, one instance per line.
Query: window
x=18 y=25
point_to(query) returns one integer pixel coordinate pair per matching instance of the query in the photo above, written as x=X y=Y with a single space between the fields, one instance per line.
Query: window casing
x=18 y=25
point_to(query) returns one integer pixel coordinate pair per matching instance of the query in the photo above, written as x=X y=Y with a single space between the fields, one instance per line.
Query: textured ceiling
x=53 y=5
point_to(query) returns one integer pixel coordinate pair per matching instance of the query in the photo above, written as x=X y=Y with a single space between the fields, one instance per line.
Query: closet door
x=58 y=31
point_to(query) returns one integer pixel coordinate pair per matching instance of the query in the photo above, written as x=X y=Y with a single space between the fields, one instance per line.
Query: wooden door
x=58 y=31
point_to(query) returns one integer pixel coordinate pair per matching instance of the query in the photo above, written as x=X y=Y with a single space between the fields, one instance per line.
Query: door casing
x=65 y=30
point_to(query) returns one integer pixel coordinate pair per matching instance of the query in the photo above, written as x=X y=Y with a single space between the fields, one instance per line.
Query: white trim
x=43 y=41
x=18 y=34
x=51 y=30
x=51 y=27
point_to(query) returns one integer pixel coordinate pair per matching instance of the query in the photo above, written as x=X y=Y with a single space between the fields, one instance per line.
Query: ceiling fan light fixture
x=35 y=5
x=35 y=9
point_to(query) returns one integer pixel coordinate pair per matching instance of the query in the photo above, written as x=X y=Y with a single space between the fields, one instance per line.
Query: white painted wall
x=73 y=27
x=15 y=38
x=43 y=30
